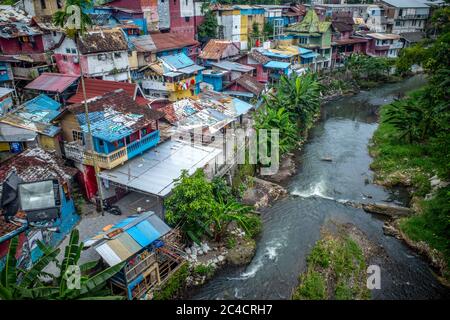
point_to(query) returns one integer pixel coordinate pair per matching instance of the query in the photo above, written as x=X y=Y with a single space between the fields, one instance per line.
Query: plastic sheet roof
x=139 y=231
x=154 y=172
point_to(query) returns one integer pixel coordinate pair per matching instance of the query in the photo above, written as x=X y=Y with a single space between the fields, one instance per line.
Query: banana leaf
x=8 y=276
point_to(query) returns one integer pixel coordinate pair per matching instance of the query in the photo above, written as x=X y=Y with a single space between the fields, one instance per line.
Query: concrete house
x=104 y=55
x=311 y=33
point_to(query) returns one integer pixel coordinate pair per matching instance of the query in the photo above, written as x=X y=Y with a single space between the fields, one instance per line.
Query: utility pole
x=88 y=122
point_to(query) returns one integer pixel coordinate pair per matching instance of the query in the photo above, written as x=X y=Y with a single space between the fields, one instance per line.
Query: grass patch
x=336 y=270
x=204 y=270
x=174 y=286
x=432 y=225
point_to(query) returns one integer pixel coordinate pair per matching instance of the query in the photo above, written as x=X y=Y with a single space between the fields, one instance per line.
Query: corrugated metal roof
x=170 y=41
x=406 y=3
x=113 y=116
x=232 y=66
x=139 y=231
x=177 y=61
x=9 y=133
x=54 y=82
x=277 y=65
x=144 y=43
x=191 y=69
x=97 y=88
x=36 y=115
x=219 y=49
x=154 y=172
x=5 y=91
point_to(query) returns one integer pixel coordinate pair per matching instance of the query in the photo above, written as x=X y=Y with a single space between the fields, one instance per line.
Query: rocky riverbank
x=398 y=164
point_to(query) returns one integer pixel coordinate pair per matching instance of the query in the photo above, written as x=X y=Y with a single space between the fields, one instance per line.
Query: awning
x=154 y=171
x=277 y=65
x=309 y=55
x=191 y=69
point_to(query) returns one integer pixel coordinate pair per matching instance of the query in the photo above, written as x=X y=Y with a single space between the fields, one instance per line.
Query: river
x=317 y=192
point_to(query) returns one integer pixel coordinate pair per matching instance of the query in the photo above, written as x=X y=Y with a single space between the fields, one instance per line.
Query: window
x=43 y=4
x=187 y=19
x=77 y=136
x=64 y=58
x=74 y=51
x=59 y=4
x=67 y=50
x=54 y=33
x=117 y=54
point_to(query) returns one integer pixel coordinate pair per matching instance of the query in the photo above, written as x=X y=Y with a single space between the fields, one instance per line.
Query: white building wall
x=107 y=62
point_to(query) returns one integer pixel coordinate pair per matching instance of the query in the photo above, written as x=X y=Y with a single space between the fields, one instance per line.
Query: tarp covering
x=139 y=231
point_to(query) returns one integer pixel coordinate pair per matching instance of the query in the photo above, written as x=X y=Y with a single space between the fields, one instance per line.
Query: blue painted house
x=121 y=130
x=139 y=243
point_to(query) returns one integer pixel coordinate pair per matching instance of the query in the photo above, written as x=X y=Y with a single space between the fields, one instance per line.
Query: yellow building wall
x=244 y=28
x=133 y=60
x=4 y=146
x=49 y=143
x=181 y=94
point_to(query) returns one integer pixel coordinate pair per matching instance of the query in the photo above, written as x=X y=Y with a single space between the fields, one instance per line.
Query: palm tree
x=18 y=284
x=60 y=18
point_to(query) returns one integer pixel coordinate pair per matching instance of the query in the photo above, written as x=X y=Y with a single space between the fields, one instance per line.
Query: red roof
x=170 y=41
x=54 y=82
x=97 y=88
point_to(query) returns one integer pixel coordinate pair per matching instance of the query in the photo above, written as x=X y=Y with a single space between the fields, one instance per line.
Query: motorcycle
x=112 y=209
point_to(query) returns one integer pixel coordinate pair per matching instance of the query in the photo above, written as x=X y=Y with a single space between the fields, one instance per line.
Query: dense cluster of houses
x=147 y=78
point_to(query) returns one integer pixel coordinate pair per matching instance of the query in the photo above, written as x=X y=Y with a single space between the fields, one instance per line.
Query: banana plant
x=18 y=284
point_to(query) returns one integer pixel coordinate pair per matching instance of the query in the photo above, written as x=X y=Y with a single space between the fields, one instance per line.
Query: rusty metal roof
x=53 y=82
x=170 y=41
x=219 y=49
x=144 y=43
x=251 y=84
x=37 y=164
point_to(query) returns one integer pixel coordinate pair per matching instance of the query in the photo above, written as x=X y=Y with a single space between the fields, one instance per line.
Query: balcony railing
x=139 y=146
x=78 y=153
x=413 y=16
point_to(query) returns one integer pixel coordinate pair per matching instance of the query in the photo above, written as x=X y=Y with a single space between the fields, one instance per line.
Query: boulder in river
x=243 y=253
x=387 y=209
